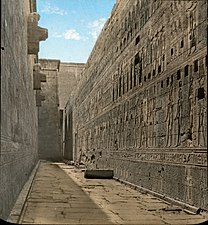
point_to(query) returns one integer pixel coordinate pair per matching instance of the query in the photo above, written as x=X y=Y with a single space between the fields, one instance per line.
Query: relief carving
x=151 y=123
x=169 y=119
x=192 y=105
x=192 y=26
x=202 y=113
x=143 y=122
x=149 y=52
x=178 y=119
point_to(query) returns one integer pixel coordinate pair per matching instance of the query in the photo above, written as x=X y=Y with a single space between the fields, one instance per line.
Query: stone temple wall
x=19 y=118
x=49 y=134
x=140 y=107
x=61 y=78
x=68 y=78
x=69 y=75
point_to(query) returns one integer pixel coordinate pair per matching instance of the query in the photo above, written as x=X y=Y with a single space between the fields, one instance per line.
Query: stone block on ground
x=98 y=174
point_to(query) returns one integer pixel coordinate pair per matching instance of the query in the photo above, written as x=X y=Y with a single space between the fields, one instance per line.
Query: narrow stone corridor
x=137 y=106
x=59 y=194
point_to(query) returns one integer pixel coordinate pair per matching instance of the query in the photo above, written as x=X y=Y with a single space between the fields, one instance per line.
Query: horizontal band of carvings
x=5 y=138
x=161 y=150
x=175 y=158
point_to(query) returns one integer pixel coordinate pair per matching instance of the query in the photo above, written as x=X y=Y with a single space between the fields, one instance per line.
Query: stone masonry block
x=35 y=33
x=38 y=77
x=99 y=174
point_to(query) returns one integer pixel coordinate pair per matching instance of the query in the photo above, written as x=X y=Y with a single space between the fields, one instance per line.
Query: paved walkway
x=61 y=195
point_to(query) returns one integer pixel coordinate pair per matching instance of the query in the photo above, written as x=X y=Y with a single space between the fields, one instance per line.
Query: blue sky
x=73 y=27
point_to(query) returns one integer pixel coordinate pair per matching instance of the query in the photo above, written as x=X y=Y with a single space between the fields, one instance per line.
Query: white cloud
x=52 y=9
x=57 y=35
x=70 y=34
x=96 y=27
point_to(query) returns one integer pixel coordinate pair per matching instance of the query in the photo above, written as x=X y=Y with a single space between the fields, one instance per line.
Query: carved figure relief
x=160 y=40
x=151 y=125
x=192 y=104
x=192 y=25
x=140 y=125
x=169 y=119
x=153 y=48
x=144 y=124
x=178 y=118
x=173 y=28
x=149 y=52
x=202 y=112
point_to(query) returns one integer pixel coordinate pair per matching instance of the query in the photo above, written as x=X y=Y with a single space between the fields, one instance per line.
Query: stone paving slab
x=131 y=206
x=61 y=195
x=52 y=188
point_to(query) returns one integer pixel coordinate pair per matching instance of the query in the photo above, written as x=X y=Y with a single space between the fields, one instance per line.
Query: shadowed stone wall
x=49 y=137
x=19 y=119
x=68 y=133
x=61 y=78
x=140 y=107
x=69 y=75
